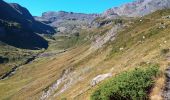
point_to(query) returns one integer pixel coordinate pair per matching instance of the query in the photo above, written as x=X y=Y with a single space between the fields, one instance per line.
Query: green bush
x=118 y=21
x=132 y=85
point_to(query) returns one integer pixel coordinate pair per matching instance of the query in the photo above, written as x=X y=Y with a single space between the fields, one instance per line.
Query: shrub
x=132 y=85
x=77 y=34
x=118 y=21
x=164 y=51
x=3 y=60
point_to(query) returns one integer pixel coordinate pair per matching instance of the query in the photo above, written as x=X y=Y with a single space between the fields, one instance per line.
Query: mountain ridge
x=67 y=22
x=138 y=8
x=15 y=12
x=18 y=27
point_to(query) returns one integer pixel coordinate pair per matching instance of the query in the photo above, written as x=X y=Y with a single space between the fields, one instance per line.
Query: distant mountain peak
x=138 y=8
x=67 y=21
x=22 y=10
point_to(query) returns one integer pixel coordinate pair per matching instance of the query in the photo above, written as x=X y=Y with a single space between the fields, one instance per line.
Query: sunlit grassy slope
x=140 y=42
x=12 y=56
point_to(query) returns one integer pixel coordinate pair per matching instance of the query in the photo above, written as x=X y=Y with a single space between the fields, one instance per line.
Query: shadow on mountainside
x=21 y=38
x=25 y=41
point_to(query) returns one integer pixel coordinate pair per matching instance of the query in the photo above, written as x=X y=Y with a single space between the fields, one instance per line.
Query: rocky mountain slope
x=19 y=41
x=18 y=27
x=16 y=13
x=138 y=8
x=67 y=22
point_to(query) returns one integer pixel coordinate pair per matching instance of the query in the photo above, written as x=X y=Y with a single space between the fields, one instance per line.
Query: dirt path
x=167 y=85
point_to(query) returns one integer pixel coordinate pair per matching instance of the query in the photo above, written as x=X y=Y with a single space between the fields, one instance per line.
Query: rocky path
x=166 y=93
x=167 y=85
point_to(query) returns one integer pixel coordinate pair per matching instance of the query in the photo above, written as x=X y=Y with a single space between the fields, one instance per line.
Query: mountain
x=70 y=22
x=67 y=21
x=127 y=58
x=17 y=13
x=138 y=8
x=77 y=67
x=18 y=28
x=62 y=15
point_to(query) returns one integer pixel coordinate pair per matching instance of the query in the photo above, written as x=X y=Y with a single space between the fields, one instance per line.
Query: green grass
x=159 y=14
x=12 y=56
x=135 y=34
x=64 y=42
x=131 y=85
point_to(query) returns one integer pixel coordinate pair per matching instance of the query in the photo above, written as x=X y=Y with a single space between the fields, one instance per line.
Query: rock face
x=18 y=27
x=138 y=8
x=62 y=15
x=67 y=22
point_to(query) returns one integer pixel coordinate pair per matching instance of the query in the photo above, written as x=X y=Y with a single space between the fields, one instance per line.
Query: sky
x=37 y=7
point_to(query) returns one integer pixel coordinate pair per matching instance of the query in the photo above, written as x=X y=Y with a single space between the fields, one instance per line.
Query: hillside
x=18 y=27
x=16 y=13
x=19 y=41
x=75 y=66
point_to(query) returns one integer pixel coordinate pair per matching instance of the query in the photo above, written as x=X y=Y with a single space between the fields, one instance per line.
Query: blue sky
x=37 y=7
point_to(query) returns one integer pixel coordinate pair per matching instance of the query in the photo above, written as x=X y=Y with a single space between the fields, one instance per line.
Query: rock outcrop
x=109 y=36
x=100 y=78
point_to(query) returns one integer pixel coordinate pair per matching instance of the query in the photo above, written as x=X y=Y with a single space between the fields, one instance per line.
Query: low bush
x=3 y=60
x=164 y=51
x=132 y=85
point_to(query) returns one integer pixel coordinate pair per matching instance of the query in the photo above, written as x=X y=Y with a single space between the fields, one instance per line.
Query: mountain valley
x=116 y=55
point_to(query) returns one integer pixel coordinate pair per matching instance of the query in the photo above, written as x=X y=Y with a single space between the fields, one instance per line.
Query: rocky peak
x=62 y=15
x=138 y=8
x=110 y=14
x=21 y=10
x=66 y=22
x=54 y=14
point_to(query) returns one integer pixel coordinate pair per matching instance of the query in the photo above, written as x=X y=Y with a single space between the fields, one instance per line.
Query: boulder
x=100 y=78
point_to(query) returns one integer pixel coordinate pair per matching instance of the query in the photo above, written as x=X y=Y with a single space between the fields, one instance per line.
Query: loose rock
x=100 y=78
